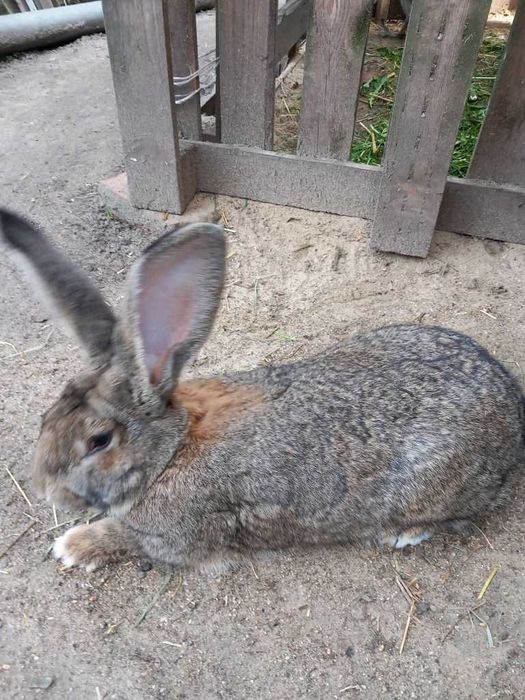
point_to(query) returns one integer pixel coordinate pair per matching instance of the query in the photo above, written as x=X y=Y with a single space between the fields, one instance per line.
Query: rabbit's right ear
x=61 y=286
x=173 y=297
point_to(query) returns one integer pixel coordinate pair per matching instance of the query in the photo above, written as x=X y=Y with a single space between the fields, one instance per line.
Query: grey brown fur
x=399 y=432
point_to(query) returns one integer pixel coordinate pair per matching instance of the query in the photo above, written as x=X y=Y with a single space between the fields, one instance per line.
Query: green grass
x=379 y=92
x=368 y=148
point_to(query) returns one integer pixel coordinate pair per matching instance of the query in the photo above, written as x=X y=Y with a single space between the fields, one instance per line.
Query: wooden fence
x=151 y=41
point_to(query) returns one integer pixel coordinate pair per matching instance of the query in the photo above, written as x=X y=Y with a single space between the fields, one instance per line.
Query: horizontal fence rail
x=406 y=198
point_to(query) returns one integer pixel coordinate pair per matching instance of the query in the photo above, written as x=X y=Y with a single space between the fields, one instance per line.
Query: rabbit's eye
x=99 y=442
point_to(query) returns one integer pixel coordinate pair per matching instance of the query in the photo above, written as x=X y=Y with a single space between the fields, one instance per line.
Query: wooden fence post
x=185 y=61
x=139 y=49
x=500 y=151
x=438 y=60
x=334 y=57
x=247 y=75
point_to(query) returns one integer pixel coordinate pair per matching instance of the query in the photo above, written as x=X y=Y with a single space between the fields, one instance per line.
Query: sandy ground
x=318 y=624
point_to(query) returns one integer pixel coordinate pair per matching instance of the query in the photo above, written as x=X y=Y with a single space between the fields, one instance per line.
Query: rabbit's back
x=400 y=427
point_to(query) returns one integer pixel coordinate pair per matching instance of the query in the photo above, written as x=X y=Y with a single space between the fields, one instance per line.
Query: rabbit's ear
x=62 y=287
x=174 y=294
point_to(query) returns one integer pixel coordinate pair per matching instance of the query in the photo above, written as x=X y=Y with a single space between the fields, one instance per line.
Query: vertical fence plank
x=334 y=56
x=439 y=57
x=185 y=61
x=500 y=151
x=247 y=49
x=139 y=49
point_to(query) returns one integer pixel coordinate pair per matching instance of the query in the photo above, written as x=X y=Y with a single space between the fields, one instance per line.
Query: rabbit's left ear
x=61 y=286
x=173 y=297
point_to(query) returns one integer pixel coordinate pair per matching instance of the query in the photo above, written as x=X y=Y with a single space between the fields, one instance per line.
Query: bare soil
x=316 y=624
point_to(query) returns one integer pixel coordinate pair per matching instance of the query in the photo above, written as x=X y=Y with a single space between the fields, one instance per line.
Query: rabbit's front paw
x=78 y=547
x=92 y=546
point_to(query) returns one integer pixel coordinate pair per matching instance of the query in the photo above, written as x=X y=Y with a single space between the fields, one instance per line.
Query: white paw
x=70 y=551
x=406 y=538
x=61 y=552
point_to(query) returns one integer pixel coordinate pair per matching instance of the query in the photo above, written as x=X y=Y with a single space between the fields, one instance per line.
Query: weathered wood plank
x=469 y=207
x=185 y=62
x=316 y=184
x=439 y=57
x=484 y=210
x=247 y=50
x=139 y=50
x=335 y=50
x=292 y=23
x=500 y=151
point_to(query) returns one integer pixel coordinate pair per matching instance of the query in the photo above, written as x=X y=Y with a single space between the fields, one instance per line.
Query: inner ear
x=168 y=304
x=175 y=292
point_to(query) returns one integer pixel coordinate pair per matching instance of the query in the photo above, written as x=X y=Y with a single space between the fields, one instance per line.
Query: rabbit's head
x=116 y=427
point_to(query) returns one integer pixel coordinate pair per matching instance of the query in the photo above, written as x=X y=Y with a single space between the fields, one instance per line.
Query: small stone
x=493 y=247
x=145 y=565
x=423 y=607
x=42 y=682
x=349 y=651
x=499 y=289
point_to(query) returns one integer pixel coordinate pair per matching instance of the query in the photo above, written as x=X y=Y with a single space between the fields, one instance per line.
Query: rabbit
x=396 y=434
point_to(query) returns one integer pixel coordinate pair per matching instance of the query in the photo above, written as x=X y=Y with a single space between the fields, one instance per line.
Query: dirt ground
x=316 y=624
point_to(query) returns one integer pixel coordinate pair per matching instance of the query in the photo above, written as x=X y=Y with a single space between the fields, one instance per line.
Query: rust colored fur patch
x=212 y=405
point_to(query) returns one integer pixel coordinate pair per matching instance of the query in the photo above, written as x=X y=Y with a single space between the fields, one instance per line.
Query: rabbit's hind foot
x=410 y=537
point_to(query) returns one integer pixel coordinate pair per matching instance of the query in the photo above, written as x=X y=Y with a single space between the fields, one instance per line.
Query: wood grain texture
x=500 y=151
x=140 y=54
x=439 y=57
x=315 y=184
x=335 y=50
x=183 y=35
x=246 y=33
x=292 y=22
x=484 y=210
x=469 y=207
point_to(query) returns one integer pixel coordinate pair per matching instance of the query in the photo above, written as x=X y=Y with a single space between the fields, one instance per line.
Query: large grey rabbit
x=396 y=434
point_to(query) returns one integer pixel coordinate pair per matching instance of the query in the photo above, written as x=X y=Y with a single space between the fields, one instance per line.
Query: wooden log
x=438 y=60
x=140 y=53
x=500 y=151
x=247 y=50
x=185 y=61
x=334 y=57
x=469 y=207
